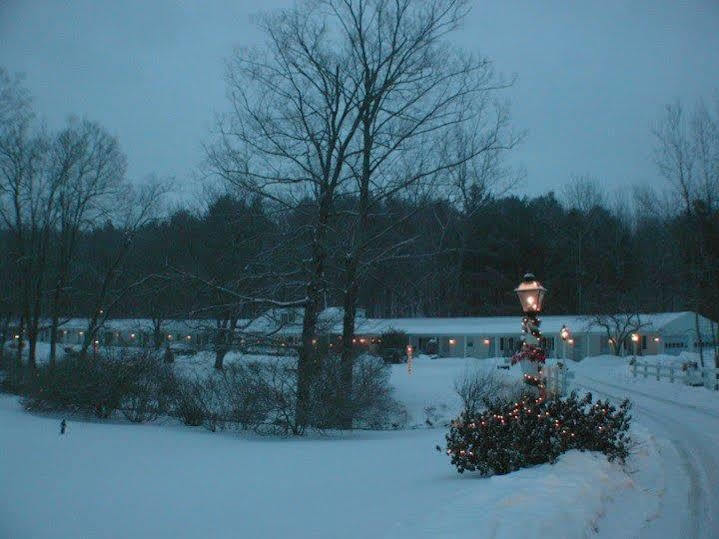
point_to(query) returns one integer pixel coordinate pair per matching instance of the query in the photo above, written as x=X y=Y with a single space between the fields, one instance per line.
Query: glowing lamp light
x=486 y=342
x=169 y=337
x=656 y=339
x=452 y=342
x=635 y=337
x=132 y=335
x=570 y=341
x=189 y=337
x=564 y=333
x=531 y=294
x=17 y=336
x=81 y=333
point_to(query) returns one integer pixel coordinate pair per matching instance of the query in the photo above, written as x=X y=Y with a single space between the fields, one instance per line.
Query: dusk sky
x=592 y=76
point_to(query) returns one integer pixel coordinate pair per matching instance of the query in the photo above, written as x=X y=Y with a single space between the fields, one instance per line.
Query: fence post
x=634 y=369
x=646 y=370
x=658 y=367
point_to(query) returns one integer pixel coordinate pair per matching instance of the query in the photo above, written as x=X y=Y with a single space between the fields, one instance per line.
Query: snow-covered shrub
x=243 y=393
x=368 y=401
x=195 y=402
x=510 y=435
x=152 y=389
x=94 y=385
x=392 y=345
x=478 y=386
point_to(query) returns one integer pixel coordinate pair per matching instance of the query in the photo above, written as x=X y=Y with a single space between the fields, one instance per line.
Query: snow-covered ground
x=125 y=480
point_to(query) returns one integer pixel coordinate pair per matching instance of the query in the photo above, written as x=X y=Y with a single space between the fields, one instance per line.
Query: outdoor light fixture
x=453 y=341
x=169 y=337
x=531 y=294
x=189 y=337
x=486 y=342
x=656 y=339
x=132 y=335
x=635 y=337
x=564 y=333
x=531 y=354
x=570 y=341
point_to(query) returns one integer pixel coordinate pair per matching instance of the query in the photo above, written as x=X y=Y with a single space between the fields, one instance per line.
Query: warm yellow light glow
x=570 y=341
x=132 y=335
x=97 y=342
x=656 y=339
x=486 y=342
x=635 y=337
x=453 y=341
x=17 y=336
x=169 y=337
x=314 y=341
x=363 y=340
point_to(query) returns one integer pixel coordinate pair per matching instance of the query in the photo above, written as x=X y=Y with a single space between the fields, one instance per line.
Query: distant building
x=665 y=333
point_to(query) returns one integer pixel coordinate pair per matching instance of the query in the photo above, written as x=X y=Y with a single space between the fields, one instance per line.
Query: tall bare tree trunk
x=307 y=364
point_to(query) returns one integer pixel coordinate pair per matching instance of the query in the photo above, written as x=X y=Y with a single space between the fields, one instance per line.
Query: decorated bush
x=508 y=436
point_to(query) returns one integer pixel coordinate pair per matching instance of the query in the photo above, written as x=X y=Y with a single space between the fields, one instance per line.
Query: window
x=644 y=342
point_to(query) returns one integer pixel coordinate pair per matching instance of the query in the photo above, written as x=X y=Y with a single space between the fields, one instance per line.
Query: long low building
x=659 y=333
x=666 y=333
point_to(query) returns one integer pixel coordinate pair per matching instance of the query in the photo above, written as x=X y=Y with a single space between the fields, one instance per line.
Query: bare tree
x=89 y=168
x=27 y=206
x=687 y=155
x=139 y=206
x=416 y=92
x=618 y=327
x=292 y=122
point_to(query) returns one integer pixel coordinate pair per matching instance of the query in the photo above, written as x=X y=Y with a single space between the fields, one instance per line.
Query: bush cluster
x=259 y=396
x=509 y=435
x=132 y=382
x=262 y=396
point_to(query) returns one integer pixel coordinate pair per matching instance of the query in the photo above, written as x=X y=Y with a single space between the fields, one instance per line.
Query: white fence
x=706 y=376
x=556 y=379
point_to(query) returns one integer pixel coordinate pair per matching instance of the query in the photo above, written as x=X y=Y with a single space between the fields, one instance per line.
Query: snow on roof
x=498 y=325
x=331 y=322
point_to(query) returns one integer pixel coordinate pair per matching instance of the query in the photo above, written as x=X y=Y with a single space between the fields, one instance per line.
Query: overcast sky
x=591 y=77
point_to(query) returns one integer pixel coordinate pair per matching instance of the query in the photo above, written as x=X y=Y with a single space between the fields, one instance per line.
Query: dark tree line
x=209 y=264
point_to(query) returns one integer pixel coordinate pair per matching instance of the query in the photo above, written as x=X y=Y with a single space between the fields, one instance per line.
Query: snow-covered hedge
x=508 y=436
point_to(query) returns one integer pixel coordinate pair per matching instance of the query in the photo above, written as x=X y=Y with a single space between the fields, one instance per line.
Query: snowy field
x=165 y=480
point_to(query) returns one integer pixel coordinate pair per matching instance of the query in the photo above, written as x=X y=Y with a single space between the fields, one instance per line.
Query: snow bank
x=618 y=371
x=426 y=386
x=120 y=480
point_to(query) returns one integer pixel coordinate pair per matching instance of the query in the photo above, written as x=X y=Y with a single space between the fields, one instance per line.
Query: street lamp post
x=531 y=296
x=564 y=333
x=635 y=344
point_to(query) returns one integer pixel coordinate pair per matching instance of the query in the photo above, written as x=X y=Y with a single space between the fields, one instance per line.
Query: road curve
x=694 y=434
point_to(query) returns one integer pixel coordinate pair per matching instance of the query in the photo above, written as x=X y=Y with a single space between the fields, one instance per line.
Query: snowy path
x=688 y=437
